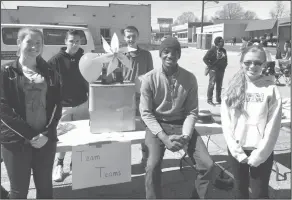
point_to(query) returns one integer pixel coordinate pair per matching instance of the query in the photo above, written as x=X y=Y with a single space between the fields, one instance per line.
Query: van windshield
x=57 y=36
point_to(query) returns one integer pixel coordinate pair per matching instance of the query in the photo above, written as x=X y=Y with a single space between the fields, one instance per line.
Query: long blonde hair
x=24 y=32
x=235 y=92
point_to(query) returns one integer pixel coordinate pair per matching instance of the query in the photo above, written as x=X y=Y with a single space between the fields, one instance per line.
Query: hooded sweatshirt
x=141 y=63
x=259 y=129
x=74 y=86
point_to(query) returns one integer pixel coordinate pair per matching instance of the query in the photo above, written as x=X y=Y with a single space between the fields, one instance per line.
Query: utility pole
x=202 y=19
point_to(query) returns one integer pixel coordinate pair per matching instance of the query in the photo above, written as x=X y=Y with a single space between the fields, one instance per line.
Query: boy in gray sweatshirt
x=169 y=108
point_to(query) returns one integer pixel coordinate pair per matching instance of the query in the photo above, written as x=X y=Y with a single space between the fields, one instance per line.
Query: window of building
x=105 y=33
x=57 y=36
x=182 y=35
x=9 y=35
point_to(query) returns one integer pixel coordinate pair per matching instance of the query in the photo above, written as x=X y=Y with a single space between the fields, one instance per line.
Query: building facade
x=226 y=30
x=101 y=20
x=187 y=32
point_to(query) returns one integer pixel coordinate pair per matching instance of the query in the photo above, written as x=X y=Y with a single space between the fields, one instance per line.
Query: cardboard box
x=112 y=107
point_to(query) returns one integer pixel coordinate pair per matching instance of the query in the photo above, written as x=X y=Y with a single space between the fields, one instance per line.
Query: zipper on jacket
x=27 y=140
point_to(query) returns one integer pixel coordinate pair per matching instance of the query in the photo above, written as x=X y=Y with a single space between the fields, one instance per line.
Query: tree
x=278 y=11
x=250 y=15
x=206 y=19
x=230 y=11
x=234 y=11
x=186 y=17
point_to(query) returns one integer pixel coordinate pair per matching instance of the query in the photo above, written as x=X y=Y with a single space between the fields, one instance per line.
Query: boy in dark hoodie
x=74 y=87
x=216 y=61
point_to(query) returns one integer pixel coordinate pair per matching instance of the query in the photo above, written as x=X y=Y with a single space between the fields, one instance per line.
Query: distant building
x=162 y=29
x=187 y=32
x=259 y=28
x=227 y=30
x=101 y=20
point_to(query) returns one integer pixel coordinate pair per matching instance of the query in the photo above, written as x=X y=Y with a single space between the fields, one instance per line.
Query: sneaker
x=211 y=103
x=218 y=103
x=58 y=173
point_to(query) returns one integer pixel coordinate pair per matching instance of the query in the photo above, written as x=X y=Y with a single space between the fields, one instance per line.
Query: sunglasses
x=255 y=63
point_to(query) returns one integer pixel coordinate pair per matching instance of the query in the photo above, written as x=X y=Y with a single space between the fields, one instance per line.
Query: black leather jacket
x=14 y=128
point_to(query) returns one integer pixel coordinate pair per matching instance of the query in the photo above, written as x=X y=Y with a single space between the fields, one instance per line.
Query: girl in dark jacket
x=30 y=108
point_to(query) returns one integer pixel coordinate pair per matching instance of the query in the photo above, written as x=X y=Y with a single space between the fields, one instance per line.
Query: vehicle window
x=57 y=36
x=9 y=35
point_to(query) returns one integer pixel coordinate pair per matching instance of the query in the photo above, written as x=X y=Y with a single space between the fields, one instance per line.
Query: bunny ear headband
x=91 y=64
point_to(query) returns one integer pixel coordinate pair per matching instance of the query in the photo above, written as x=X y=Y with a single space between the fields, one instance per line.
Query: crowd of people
x=36 y=95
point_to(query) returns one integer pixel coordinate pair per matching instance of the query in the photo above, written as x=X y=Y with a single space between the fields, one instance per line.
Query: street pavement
x=176 y=183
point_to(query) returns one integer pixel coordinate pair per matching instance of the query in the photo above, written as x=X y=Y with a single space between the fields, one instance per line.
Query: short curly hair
x=217 y=40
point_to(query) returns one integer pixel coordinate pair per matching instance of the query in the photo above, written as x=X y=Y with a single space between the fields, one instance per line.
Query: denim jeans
x=257 y=178
x=196 y=150
x=20 y=162
x=215 y=77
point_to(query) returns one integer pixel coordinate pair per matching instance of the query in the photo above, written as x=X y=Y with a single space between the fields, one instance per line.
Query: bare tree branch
x=279 y=11
x=234 y=11
x=186 y=17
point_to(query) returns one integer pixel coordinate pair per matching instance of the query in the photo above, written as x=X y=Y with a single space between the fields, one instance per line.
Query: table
x=81 y=135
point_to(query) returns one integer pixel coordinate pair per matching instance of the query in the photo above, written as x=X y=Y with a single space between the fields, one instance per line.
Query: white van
x=54 y=39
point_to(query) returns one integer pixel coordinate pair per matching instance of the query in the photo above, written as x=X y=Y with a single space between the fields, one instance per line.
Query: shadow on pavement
x=175 y=184
x=284 y=159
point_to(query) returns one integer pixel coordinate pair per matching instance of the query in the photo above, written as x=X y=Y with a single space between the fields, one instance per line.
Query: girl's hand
x=39 y=141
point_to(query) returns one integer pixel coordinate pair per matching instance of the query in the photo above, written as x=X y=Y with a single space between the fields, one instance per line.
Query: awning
x=261 y=25
x=285 y=24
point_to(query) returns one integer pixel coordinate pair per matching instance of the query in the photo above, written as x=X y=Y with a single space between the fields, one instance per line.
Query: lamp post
x=202 y=19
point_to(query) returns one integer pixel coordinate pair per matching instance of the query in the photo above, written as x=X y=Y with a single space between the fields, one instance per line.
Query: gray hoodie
x=260 y=129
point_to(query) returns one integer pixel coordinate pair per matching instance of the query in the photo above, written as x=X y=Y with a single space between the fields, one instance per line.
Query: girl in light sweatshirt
x=251 y=121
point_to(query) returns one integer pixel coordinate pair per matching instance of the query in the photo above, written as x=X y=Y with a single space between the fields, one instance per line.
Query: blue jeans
x=257 y=178
x=197 y=152
x=19 y=163
x=215 y=77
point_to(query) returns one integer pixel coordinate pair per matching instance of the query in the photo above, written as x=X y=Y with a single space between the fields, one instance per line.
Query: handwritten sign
x=101 y=165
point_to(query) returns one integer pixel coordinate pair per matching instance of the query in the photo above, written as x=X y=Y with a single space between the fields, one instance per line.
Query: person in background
x=251 y=121
x=234 y=40
x=263 y=41
x=74 y=88
x=141 y=63
x=216 y=61
x=30 y=109
x=287 y=50
x=278 y=51
x=169 y=108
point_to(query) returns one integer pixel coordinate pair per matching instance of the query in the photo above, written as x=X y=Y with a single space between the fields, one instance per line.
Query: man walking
x=74 y=88
x=169 y=108
x=216 y=61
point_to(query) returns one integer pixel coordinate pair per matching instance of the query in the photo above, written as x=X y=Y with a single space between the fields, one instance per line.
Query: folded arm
x=146 y=107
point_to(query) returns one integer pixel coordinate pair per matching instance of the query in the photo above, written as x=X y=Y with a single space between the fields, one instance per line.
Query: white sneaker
x=58 y=173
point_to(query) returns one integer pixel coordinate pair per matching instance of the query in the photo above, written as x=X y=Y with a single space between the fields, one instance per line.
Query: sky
x=163 y=9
